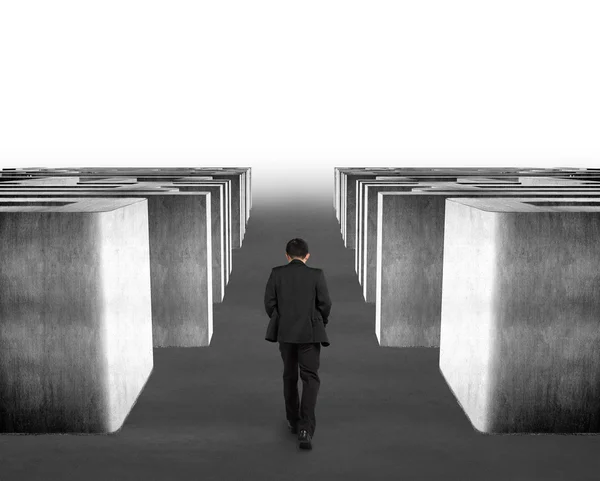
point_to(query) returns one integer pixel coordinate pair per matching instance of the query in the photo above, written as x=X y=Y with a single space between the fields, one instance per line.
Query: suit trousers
x=307 y=357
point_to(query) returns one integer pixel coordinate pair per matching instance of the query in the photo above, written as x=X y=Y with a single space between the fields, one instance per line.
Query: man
x=298 y=296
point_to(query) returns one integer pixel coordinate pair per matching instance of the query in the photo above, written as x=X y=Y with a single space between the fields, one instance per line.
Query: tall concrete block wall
x=237 y=205
x=368 y=237
x=180 y=262
x=342 y=181
x=519 y=330
x=220 y=242
x=424 y=249
x=366 y=229
x=410 y=233
x=227 y=216
x=466 y=363
x=240 y=189
x=181 y=269
x=75 y=313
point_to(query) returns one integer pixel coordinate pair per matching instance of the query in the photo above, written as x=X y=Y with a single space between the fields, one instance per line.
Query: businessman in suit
x=297 y=296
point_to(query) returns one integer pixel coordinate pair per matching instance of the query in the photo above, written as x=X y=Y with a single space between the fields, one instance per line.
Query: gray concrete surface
x=239 y=185
x=367 y=233
x=227 y=213
x=240 y=178
x=408 y=279
x=520 y=338
x=410 y=253
x=344 y=190
x=75 y=313
x=360 y=216
x=219 y=235
x=179 y=228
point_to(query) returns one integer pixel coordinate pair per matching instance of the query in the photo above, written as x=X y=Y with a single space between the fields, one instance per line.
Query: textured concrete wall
x=470 y=240
x=220 y=263
x=227 y=211
x=87 y=186
x=181 y=268
x=343 y=184
x=367 y=234
x=238 y=177
x=430 y=252
x=464 y=175
x=127 y=306
x=197 y=187
x=244 y=205
x=336 y=175
x=152 y=187
x=219 y=256
x=103 y=180
x=226 y=184
x=237 y=205
x=347 y=193
x=249 y=191
x=410 y=232
x=359 y=222
x=369 y=247
x=542 y=372
x=473 y=179
x=75 y=314
x=242 y=184
x=37 y=186
x=43 y=181
x=180 y=263
x=350 y=201
x=535 y=181
x=245 y=177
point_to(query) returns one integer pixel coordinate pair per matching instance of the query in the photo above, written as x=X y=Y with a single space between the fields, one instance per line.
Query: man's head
x=297 y=249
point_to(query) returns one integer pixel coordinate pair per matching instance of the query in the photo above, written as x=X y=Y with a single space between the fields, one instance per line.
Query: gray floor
x=217 y=413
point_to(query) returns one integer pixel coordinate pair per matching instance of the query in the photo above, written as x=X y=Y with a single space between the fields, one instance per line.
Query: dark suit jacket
x=297 y=300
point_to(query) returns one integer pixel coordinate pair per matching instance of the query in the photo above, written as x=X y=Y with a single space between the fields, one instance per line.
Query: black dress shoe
x=304 y=440
x=293 y=428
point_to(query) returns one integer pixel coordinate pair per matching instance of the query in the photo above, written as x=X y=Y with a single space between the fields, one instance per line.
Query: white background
x=295 y=88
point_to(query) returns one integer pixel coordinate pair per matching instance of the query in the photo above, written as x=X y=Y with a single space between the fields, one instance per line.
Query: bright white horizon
x=294 y=90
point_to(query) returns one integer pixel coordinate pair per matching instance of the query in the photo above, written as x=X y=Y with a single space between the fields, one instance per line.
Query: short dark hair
x=297 y=248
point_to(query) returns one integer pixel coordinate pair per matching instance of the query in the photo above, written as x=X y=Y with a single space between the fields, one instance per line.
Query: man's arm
x=270 y=295
x=323 y=300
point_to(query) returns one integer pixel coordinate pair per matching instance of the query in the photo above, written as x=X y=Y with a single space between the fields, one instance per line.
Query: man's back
x=300 y=296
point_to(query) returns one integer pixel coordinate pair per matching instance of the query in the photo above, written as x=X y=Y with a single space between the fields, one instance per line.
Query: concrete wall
x=76 y=325
x=43 y=181
x=426 y=244
x=367 y=233
x=220 y=264
x=180 y=263
x=467 y=311
x=538 y=369
x=181 y=268
x=240 y=189
x=350 y=209
x=219 y=255
x=360 y=215
x=198 y=187
x=480 y=175
x=237 y=205
x=410 y=232
x=227 y=211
